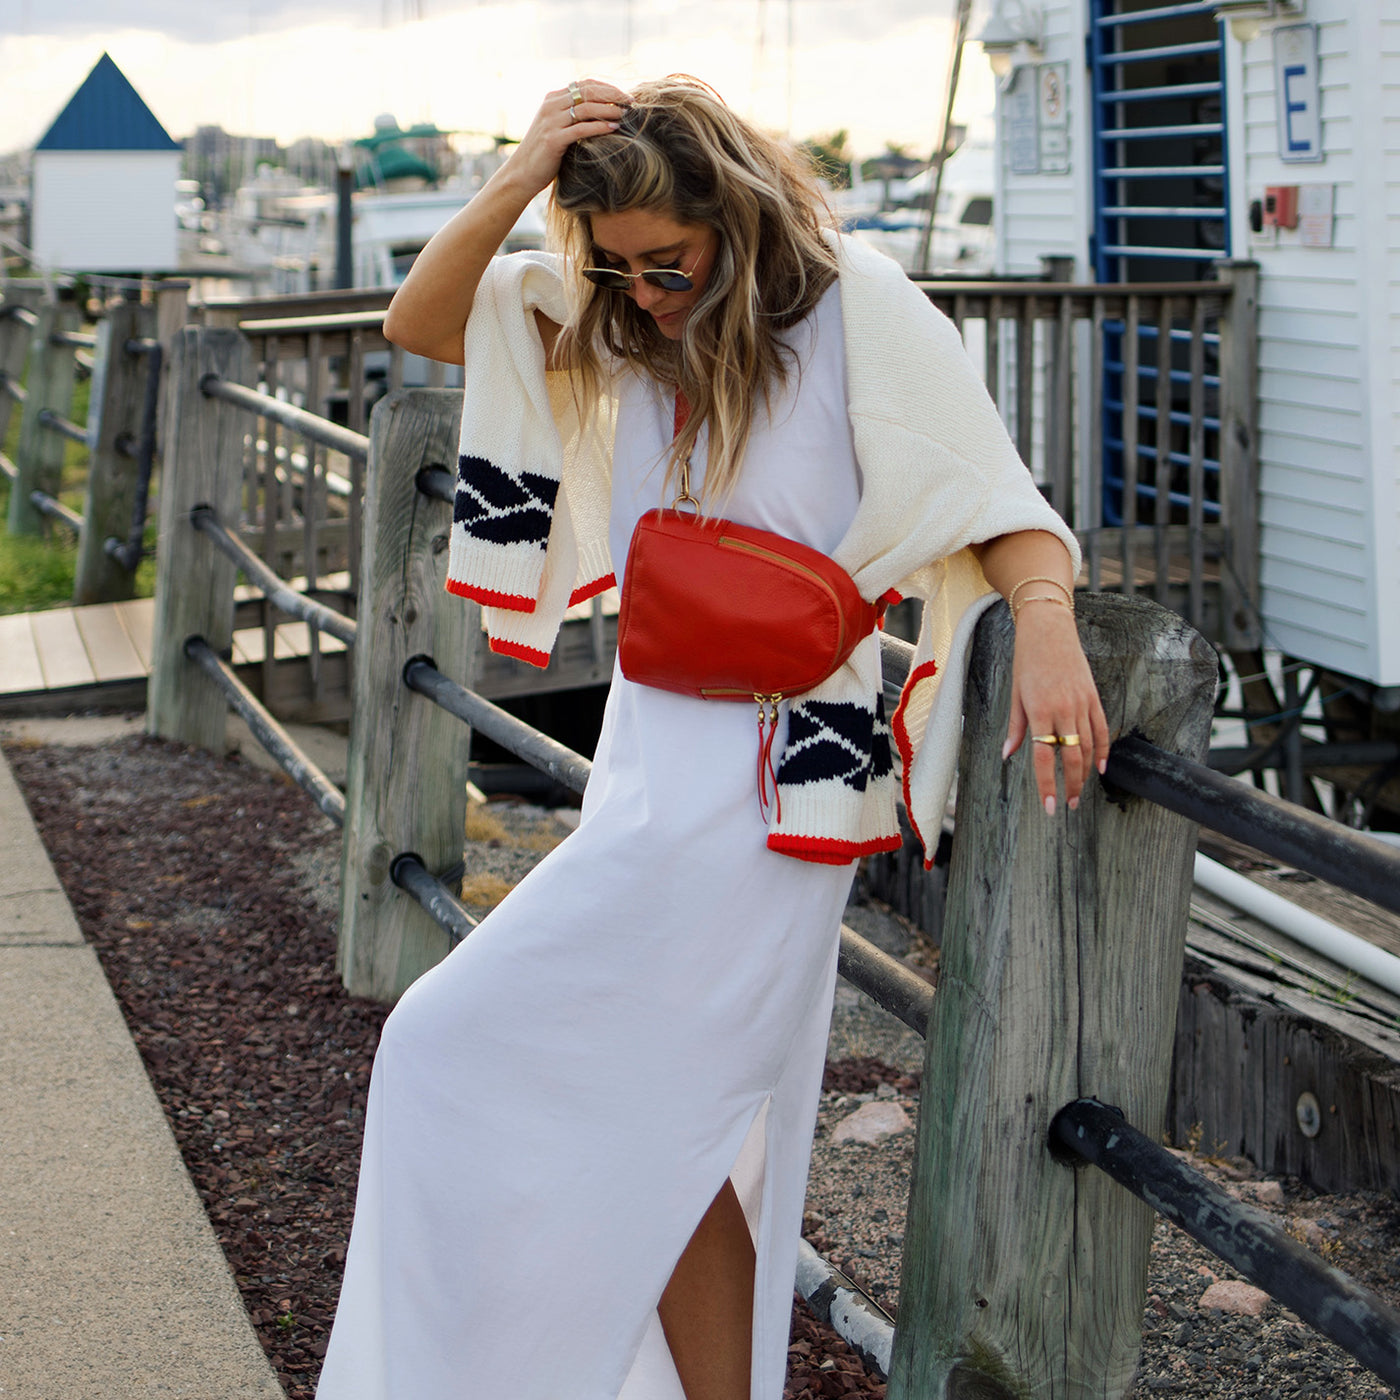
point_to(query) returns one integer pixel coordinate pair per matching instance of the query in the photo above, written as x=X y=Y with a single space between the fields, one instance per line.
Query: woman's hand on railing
x=1054 y=699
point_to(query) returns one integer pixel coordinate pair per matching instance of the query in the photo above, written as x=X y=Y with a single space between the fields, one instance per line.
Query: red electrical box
x=1281 y=206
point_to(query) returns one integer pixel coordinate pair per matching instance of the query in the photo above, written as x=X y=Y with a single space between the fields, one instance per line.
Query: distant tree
x=831 y=157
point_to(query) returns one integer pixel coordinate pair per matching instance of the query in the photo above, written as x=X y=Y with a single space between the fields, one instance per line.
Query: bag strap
x=683 y=496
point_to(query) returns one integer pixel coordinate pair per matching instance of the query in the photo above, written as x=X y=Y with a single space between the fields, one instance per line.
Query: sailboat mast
x=964 y=15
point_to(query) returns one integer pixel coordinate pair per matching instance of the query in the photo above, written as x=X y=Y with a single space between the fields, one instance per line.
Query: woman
x=589 y=1127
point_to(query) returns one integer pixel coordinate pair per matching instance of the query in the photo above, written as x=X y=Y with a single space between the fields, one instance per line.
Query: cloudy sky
x=289 y=68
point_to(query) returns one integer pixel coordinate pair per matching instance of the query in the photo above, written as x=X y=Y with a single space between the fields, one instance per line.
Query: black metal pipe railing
x=1303 y=839
x=904 y=994
x=539 y=750
x=50 y=505
x=22 y=314
x=127 y=553
x=1259 y=1248
x=8 y=467
x=279 y=594
x=1361 y=753
x=309 y=425
x=77 y=339
x=64 y=427
x=436 y=482
x=409 y=873
x=11 y=386
x=292 y=758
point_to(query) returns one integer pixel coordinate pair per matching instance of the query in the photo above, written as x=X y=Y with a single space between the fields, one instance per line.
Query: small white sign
x=1296 y=93
x=1022 y=126
x=1052 y=83
x=1315 y=216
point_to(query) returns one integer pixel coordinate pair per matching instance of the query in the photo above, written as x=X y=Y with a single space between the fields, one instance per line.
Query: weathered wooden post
x=407 y=775
x=1062 y=949
x=194 y=581
x=39 y=453
x=17 y=312
x=115 y=411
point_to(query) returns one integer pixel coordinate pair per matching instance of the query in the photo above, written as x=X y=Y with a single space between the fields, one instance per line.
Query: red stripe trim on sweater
x=906 y=749
x=591 y=590
x=520 y=652
x=514 y=602
x=826 y=850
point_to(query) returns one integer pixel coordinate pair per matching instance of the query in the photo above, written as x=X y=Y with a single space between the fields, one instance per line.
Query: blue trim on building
x=106 y=114
x=1131 y=222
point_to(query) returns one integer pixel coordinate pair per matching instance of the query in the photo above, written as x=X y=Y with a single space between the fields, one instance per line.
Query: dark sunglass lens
x=605 y=277
x=669 y=281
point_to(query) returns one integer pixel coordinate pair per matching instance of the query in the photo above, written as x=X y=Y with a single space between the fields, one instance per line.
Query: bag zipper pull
x=767 y=731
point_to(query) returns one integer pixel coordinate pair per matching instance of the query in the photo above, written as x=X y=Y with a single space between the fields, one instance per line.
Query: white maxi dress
x=555 y=1105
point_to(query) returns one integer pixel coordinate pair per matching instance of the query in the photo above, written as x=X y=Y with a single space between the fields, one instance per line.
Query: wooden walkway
x=98 y=657
x=102 y=651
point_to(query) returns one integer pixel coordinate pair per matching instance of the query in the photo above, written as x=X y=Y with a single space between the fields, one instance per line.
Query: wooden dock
x=61 y=660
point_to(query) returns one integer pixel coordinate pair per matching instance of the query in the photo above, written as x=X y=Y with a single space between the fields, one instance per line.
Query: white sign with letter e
x=1295 y=86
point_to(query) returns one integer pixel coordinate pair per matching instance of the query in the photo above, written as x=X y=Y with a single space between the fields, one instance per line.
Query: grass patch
x=36 y=571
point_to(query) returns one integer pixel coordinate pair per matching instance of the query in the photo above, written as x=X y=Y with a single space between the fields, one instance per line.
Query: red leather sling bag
x=724 y=611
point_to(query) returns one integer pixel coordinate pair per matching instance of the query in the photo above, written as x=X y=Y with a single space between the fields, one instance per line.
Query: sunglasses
x=668 y=279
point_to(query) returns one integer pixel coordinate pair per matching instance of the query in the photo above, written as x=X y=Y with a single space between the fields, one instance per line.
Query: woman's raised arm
x=429 y=311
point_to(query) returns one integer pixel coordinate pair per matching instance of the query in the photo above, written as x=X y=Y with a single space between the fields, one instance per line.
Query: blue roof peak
x=106 y=114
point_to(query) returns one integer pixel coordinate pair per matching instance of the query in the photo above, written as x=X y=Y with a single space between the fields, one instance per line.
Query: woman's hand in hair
x=430 y=308
x=559 y=123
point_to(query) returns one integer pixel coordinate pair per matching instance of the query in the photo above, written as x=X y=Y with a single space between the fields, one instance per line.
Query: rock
x=1314 y=1236
x=872 y=1123
x=1234 y=1296
x=1268 y=1193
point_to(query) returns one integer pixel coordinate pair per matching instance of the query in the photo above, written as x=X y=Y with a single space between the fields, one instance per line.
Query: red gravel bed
x=187 y=874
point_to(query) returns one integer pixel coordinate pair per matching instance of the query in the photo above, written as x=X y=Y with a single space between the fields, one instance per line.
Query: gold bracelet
x=1036 y=578
x=1041 y=598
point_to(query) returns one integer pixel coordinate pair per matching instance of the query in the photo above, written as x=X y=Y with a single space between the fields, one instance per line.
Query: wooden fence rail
x=1061 y=950
x=119 y=432
x=1135 y=406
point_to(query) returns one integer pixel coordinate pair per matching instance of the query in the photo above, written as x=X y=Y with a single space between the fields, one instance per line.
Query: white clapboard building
x=1144 y=140
x=104 y=173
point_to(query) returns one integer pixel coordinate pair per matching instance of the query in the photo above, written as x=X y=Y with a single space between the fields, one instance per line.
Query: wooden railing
x=1135 y=408
x=1021 y=1274
x=122 y=359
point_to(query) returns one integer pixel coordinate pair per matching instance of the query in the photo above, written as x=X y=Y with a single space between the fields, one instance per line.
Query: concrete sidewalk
x=112 y=1284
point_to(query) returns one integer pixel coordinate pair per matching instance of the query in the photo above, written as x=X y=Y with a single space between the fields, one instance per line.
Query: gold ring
x=1045 y=738
x=1070 y=741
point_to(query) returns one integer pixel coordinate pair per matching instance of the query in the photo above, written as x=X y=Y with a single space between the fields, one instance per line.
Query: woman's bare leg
x=707 y=1308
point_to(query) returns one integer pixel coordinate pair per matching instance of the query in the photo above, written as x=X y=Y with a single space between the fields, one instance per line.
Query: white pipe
x=1346 y=949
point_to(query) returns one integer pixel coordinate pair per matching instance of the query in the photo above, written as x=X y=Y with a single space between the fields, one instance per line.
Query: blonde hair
x=681 y=152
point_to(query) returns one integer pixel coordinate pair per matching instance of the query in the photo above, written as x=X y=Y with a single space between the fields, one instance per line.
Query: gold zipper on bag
x=794 y=567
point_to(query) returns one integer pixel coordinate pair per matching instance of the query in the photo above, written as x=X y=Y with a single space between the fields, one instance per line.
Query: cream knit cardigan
x=939 y=473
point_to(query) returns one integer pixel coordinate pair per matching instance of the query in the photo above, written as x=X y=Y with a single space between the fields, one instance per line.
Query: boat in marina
x=278 y=235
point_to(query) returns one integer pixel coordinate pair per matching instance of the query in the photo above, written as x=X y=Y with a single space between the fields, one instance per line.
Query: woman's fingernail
x=1050 y=806
x=1074 y=804
x=1006 y=751
x=1103 y=766
x=613 y=126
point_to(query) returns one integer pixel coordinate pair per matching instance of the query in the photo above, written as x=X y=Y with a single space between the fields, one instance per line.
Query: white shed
x=1144 y=139
x=104 y=175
